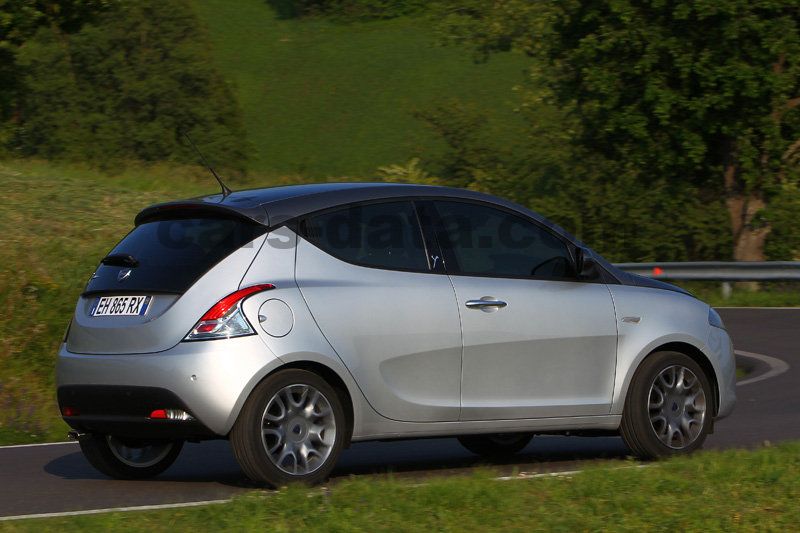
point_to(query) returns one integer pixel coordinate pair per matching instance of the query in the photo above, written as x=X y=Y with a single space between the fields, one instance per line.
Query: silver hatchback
x=295 y=320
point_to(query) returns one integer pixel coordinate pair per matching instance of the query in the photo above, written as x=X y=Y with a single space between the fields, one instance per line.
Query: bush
x=125 y=87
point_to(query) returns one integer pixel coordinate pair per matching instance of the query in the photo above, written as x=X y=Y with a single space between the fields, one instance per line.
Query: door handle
x=485 y=302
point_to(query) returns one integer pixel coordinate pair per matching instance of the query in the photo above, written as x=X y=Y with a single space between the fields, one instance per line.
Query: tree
x=126 y=86
x=19 y=21
x=698 y=94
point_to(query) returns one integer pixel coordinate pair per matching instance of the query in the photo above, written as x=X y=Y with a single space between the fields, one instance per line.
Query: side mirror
x=585 y=265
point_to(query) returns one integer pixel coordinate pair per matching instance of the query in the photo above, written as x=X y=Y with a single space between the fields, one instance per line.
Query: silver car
x=296 y=320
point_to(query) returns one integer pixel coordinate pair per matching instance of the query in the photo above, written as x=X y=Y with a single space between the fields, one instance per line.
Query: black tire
x=496 y=445
x=250 y=448
x=639 y=433
x=104 y=453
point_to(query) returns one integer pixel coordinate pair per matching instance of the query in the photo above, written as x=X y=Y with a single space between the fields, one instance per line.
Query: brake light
x=222 y=306
x=225 y=319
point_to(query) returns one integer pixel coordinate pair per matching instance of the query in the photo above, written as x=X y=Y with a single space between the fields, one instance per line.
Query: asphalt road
x=56 y=478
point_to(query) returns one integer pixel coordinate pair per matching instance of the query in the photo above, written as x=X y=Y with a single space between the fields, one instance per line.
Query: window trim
x=301 y=228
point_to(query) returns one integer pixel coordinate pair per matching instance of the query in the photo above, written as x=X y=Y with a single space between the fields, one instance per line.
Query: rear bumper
x=124 y=411
x=210 y=380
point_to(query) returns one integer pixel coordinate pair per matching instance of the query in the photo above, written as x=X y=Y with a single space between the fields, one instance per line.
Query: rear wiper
x=121 y=260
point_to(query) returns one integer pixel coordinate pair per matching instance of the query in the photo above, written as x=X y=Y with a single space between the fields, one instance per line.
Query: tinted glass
x=485 y=241
x=173 y=254
x=384 y=235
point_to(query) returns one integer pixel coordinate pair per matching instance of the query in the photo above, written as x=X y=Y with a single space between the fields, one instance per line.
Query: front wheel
x=669 y=407
x=497 y=445
x=129 y=458
x=291 y=429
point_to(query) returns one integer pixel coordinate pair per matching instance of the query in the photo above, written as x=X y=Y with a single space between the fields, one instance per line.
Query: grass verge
x=763 y=294
x=711 y=491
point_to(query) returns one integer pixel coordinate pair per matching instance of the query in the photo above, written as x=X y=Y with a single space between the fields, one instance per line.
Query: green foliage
x=19 y=21
x=782 y=216
x=411 y=172
x=124 y=87
x=471 y=149
x=625 y=219
x=662 y=95
x=347 y=9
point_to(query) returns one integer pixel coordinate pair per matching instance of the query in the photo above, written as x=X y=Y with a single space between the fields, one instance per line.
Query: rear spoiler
x=199 y=209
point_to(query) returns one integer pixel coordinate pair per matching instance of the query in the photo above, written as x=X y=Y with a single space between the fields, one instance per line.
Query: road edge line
x=776 y=367
x=115 y=510
x=34 y=444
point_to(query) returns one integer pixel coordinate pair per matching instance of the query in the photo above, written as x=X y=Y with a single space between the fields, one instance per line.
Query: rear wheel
x=496 y=445
x=129 y=458
x=291 y=429
x=669 y=407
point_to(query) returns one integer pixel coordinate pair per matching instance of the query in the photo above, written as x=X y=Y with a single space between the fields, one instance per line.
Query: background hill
x=324 y=97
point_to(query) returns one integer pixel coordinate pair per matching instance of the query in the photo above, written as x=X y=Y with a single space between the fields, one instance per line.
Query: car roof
x=273 y=206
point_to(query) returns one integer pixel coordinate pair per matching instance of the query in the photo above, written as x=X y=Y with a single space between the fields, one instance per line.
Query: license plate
x=121 y=306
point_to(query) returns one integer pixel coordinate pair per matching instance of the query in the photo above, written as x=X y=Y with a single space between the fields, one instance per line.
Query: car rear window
x=170 y=255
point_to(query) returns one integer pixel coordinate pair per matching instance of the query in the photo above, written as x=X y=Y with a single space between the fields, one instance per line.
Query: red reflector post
x=657 y=271
x=159 y=413
x=69 y=411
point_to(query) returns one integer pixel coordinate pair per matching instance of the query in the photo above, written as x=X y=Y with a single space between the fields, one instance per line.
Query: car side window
x=484 y=241
x=383 y=235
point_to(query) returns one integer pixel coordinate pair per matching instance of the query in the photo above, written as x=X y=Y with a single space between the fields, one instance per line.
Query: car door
x=537 y=342
x=364 y=272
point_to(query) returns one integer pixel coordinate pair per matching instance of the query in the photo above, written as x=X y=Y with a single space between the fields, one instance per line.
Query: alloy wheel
x=677 y=406
x=298 y=429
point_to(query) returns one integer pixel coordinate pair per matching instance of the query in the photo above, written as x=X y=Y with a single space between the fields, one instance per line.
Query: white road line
x=528 y=475
x=565 y=473
x=776 y=367
x=115 y=510
x=38 y=444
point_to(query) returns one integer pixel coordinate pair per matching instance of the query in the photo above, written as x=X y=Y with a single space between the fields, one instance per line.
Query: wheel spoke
x=676 y=433
x=679 y=386
x=276 y=402
x=311 y=405
x=658 y=401
x=297 y=404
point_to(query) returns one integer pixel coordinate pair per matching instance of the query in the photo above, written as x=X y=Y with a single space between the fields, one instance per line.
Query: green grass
x=322 y=98
x=713 y=491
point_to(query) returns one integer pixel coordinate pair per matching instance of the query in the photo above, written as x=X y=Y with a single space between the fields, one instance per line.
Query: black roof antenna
x=225 y=190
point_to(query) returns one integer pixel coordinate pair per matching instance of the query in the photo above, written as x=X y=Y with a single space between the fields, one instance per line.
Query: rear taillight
x=226 y=319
